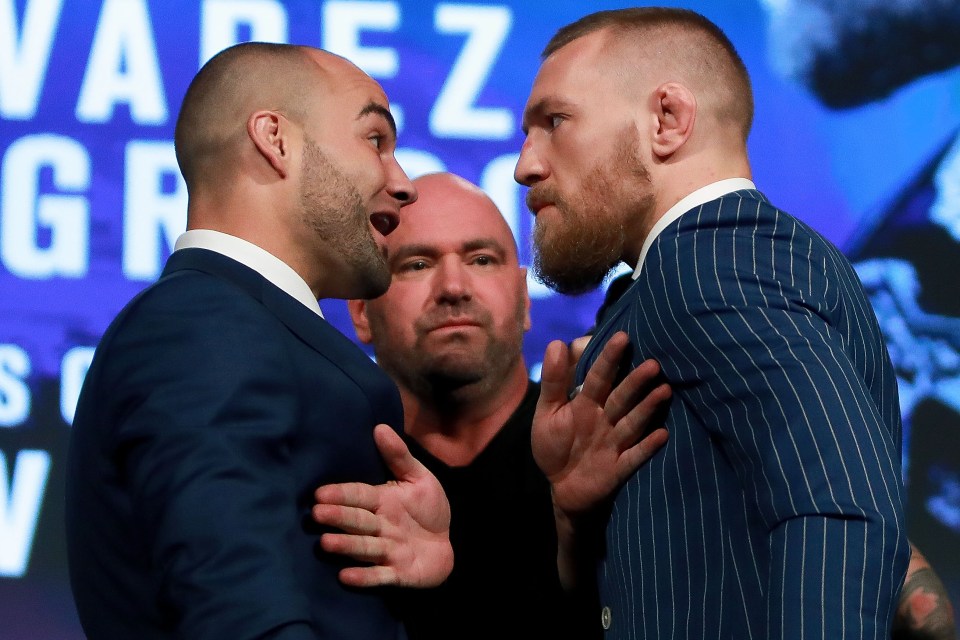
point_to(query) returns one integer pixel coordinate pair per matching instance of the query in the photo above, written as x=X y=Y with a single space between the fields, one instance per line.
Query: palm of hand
x=415 y=516
x=576 y=449
x=588 y=446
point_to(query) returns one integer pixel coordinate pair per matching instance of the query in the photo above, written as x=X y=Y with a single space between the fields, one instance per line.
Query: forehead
x=359 y=98
x=572 y=73
x=344 y=87
x=360 y=86
x=447 y=217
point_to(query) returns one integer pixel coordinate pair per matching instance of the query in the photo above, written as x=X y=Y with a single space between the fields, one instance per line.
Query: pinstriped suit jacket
x=775 y=510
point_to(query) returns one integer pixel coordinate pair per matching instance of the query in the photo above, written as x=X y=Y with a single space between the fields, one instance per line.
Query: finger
x=396 y=454
x=349 y=494
x=636 y=456
x=599 y=379
x=555 y=377
x=348 y=519
x=361 y=548
x=369 y=576
x=645 y=416
x=577 y=347
x=632 y=390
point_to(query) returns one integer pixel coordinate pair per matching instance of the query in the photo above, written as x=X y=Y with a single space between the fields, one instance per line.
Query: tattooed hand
x=924 y=612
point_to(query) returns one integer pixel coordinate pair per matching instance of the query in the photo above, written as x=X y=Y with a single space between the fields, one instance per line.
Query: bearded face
x=579 y=240
x=429 y=359
x=332 y=208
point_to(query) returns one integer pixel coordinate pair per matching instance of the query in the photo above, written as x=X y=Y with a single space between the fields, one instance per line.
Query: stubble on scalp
x=211 y=123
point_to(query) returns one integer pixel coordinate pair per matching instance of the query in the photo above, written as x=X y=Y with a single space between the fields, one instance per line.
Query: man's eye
x=416 y=265
x=555 y=121
x=377 y=140
x=483 y=260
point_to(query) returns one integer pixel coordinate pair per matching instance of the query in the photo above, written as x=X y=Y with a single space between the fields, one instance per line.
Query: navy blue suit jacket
x=775 y=509
x=214 y=406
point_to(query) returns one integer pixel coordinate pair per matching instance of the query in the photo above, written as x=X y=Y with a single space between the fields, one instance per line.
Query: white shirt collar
x=702 y=195
x=266 y=264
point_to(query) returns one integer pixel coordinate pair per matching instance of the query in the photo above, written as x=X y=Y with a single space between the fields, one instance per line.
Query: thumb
x=396 y=454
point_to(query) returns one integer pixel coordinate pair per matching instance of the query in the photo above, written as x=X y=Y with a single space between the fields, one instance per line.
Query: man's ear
x=675 y=108
x=358 y=314
x=270 y=132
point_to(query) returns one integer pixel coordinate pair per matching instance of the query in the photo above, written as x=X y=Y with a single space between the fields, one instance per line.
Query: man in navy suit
x=220 y=398
x=775 y=509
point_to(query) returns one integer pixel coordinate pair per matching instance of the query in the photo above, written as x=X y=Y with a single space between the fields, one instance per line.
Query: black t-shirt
x=504 y=582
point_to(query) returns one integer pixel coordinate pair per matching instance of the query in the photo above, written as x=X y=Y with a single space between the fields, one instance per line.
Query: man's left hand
x=401 y=527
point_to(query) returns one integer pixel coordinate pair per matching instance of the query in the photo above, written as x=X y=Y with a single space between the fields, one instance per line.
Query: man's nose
x=530 y=167
x=452 y=280
x=399 y=185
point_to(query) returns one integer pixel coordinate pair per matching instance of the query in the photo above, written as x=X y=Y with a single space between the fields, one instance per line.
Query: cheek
x=403 y=304
x=366 y=171
x=391 y=327
x=506 y=305
x=575 y=155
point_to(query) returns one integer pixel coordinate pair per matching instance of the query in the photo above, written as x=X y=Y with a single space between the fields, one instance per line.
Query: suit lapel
x=304 y=323
x=685 y=223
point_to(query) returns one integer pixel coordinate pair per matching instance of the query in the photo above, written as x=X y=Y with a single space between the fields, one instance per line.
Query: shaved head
x=661 y=44
x=451 y=324
x=291 y=148
x=444 y=193
x=233 y=84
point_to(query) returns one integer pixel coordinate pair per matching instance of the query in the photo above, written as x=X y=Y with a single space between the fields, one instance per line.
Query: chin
x=460 y=365
x=370 y=284
x=572 y=282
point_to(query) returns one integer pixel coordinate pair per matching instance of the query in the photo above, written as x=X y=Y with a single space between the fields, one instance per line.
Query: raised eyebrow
x=379 y=109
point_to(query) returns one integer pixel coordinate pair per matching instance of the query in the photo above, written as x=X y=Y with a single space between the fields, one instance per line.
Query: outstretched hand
x=401 y=527
x=588 y=446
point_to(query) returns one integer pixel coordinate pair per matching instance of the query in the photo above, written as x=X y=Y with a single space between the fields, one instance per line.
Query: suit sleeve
x=776 y=349
x=207 y=409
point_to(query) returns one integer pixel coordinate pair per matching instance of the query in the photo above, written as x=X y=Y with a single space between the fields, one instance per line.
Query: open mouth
x=384 y=222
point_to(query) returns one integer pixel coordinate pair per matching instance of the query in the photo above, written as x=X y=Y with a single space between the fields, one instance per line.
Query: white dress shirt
x=702 y=195
x=246 y=253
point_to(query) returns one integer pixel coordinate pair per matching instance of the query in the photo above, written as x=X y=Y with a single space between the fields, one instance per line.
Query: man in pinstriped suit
x=775 y=509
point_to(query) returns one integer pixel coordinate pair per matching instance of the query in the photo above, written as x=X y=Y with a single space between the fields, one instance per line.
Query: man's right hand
x=589 y=445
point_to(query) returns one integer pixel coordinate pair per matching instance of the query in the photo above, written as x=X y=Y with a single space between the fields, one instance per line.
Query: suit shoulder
x=191 y=315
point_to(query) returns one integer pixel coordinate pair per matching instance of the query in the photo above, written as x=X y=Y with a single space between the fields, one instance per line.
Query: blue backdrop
x=862 y=148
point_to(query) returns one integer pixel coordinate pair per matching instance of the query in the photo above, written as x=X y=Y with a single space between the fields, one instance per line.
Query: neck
x=455 y=426
x=693 y=172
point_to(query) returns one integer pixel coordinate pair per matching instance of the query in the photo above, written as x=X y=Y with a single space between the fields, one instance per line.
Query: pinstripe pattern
x=775 y=510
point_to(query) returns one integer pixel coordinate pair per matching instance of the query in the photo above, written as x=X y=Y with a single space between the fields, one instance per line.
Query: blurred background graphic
x=857 y=132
